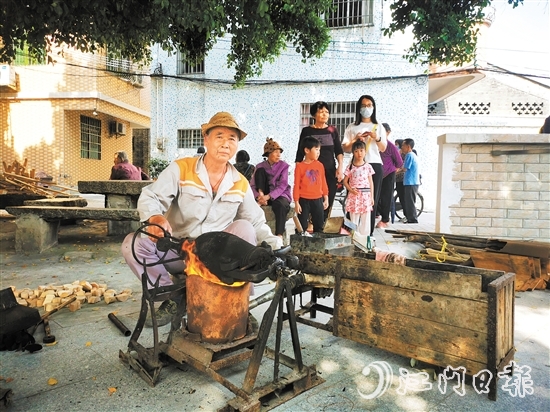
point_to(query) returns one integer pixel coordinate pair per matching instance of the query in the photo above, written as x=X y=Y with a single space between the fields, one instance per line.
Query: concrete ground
x=90 y=376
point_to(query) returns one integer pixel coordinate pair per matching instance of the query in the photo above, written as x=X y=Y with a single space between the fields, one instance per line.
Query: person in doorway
x=358 y=183
x=391 y=161
x=124 y=170
x=411 y=181
x=331 y=149
x=242 y=165
x=196 y=195
x=365 y=128
x=270 y=184
x=545 y=128
x=310 y=187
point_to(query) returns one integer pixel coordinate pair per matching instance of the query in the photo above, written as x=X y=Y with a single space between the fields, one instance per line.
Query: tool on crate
x=232 y=260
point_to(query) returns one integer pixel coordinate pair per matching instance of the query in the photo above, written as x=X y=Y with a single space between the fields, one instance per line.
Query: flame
x=196 y=268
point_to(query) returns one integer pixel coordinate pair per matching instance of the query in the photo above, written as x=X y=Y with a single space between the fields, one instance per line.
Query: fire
x=196 y=268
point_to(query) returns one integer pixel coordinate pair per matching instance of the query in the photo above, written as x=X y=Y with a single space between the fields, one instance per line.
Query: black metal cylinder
x=125 y=331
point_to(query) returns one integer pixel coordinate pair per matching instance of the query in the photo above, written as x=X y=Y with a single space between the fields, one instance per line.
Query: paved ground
x=85 y=359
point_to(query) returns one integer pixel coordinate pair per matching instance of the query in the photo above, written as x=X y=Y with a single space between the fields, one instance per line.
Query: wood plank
x=487 y=275
x=393 y=275
x=433 y=307
x=500 y=320
x=399 y=330
x=519 y=265
x=421 y=353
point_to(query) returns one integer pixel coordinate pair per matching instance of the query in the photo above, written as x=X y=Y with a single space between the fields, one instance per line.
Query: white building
x=359 y=60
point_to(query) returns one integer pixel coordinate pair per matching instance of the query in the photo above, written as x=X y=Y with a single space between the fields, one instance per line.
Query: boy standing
x=411 y=181
x=310 y=187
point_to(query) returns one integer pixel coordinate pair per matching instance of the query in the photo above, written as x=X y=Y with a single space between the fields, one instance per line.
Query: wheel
x=399 y=209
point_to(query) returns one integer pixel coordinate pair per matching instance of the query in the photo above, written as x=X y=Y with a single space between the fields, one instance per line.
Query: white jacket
x=182 y=193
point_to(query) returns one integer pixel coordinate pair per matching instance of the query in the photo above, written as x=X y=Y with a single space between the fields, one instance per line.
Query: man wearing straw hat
x=197 y=195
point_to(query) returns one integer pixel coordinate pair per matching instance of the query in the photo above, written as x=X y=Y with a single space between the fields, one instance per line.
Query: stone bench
x=119 y=194
x=58 y=202
x=37 y=227
x=270 y=217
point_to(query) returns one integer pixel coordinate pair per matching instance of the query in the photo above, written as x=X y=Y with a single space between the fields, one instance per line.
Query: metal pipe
x=125 y=331
x=320 y=281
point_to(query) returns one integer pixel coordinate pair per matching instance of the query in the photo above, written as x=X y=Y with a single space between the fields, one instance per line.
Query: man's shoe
x=411 y=221
x=163 y=314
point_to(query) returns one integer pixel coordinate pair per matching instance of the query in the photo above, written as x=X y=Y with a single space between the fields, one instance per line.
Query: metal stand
x=185 y=347
x=146 y=361
x=210 y=358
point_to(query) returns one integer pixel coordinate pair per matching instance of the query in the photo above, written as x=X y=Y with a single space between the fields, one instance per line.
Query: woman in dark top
x=331 y=148
x=246 y=169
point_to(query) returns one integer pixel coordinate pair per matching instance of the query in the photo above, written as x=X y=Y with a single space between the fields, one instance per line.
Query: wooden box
x=441 y=314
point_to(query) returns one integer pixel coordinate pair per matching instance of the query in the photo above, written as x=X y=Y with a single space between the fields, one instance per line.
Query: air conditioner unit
x=117 y=128
x=7 y=76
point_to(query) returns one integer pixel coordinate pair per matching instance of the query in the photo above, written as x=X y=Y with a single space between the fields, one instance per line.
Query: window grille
x=475 y=108
x=186 y=68
x=189 y=138
x=341 y=115
x=123 y=68
x=90 y=138
x=528 y=108
x=345 y=13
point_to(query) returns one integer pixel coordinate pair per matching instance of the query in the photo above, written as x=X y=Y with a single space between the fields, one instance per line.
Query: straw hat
x=222 y=119
x=270 y=146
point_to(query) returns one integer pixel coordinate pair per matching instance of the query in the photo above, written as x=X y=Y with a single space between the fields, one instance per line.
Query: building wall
x=500 y=90
x=359 y=61
x=483 y=193
x=40 y=121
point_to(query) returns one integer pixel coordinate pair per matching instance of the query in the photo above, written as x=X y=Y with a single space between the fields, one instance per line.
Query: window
x=341 y=115
x=185 y=68
x=189 y=138
x=345 y=13
x=90 y=138
x=528 y=108
x=22 y=58
x=123 y=68
x=475 y=108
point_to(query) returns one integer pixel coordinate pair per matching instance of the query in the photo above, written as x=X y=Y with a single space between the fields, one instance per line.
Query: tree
x=445 y=31
x=259 y=29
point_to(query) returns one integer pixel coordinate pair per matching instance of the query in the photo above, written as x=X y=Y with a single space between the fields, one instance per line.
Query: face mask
x=366 y=112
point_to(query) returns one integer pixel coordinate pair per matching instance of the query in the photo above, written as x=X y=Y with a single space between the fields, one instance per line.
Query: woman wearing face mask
x=365 y=128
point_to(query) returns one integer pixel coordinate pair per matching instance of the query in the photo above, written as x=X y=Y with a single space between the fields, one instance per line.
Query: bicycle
x=397 y=209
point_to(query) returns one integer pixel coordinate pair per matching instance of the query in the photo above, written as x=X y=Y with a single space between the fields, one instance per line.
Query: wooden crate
x=441 y=314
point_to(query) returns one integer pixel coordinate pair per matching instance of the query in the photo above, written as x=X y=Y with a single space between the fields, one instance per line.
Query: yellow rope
x=443 y=247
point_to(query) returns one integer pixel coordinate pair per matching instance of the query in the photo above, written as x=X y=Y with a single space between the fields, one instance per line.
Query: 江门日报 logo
x=517 y=380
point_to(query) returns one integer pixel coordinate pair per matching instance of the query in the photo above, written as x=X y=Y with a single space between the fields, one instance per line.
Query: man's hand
x=297 y=208
x=161 y=221
x=325 y=202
